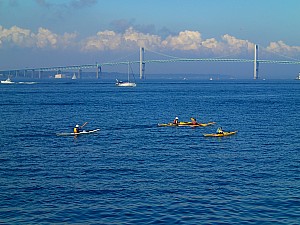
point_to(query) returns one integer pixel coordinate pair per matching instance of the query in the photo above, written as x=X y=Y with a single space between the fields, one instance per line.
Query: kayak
x=167 y=125
x=221 y=135
x=82 y=132
x=185 y=124
x=196 y=125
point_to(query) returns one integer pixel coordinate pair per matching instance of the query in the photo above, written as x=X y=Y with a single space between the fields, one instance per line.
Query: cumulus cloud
x=134 y=38
x=185 y=40
x=210 y=43
x=44 y=38
x=236 y=45
x=131 y=39
x=105 y=40
x=17 y=36
x=281 y=47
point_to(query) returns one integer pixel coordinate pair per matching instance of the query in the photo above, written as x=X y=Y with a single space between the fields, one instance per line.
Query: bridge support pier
x=255 y=62
x=79 y=73
x=99 y=71
x=142 y=64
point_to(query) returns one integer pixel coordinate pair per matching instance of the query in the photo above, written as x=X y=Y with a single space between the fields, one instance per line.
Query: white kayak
x=82 y=132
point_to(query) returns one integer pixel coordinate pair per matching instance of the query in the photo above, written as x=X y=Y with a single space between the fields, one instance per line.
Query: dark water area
x=134 y=172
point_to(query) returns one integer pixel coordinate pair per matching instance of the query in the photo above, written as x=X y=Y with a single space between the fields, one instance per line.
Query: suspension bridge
x=142 y=62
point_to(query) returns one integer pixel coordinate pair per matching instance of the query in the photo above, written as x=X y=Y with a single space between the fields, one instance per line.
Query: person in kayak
x=176 y=121
x=194 y=121
x=219 y=130
x=77 y=129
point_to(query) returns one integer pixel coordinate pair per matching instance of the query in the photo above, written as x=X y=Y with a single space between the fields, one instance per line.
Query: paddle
x=84 y=124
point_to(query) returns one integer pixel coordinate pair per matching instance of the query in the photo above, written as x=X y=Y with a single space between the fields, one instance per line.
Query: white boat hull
x=8 y=81
x=126 y=84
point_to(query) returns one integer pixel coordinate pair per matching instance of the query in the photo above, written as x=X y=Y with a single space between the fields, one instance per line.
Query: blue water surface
x=134 y=172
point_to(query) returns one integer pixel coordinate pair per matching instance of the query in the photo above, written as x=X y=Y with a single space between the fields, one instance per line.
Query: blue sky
x=38 y=33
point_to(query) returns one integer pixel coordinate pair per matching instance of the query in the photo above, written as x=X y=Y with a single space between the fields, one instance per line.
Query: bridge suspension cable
x=278 y=54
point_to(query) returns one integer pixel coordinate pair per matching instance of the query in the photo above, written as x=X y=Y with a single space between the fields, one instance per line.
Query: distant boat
x=298 y=77
x=7 y=81
x=59 y=76
x=74 y=77
x=120 y=83
x=125 y=84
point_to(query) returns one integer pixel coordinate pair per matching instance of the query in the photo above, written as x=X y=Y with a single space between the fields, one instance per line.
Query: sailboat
x=298 y=77
x=125 y=84
x=74 y=77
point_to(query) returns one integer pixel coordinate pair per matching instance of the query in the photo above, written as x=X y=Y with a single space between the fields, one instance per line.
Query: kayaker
x=194 y=121
x=77 y=129
x=219 y=130
x=176 y=121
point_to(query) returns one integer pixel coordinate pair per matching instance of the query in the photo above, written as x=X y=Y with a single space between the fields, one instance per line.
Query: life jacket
x=194 y=122
x=220 y=131
x=76 y=130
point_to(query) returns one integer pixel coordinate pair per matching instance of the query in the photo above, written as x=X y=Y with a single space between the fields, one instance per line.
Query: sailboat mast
x=128 y=72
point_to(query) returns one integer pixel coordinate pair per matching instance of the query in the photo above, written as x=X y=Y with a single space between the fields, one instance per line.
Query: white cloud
x=136 y=39
x=44 y=38
x=15 y=35
x=281 y=47
x=131 y=39
x=211 y=43
x=213 y=46
x=105 y=40
x=186 y=40
x=235 y=45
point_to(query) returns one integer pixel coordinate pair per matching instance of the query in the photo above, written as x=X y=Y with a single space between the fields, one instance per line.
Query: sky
x=42 y=33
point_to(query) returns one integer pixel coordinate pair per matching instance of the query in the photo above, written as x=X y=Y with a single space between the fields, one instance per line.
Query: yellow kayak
x=196 y=125
x=221 y=135
x=187 y=124
x=167 y=125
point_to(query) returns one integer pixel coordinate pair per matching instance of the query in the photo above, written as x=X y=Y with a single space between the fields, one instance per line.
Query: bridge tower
x=99 y=70
x=255 y=62
x=79 y=73
x=142 y=64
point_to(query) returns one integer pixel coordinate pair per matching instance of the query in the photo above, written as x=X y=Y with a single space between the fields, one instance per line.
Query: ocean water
x=134 y=172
